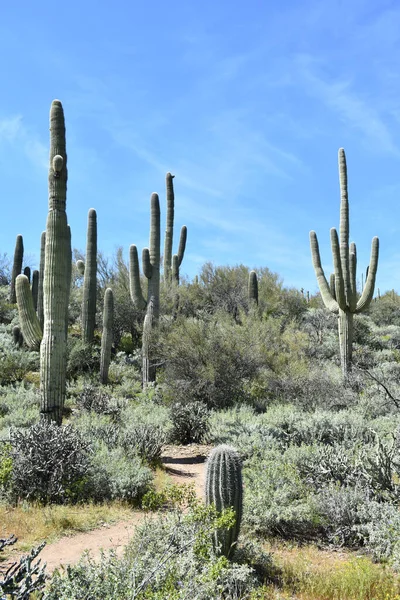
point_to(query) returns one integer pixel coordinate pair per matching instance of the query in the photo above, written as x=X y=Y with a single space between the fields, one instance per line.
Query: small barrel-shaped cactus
x=107 y=337
x=17 y=266
x=224 y=489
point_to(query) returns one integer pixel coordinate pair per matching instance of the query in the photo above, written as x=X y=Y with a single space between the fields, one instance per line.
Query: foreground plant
x=341 y=296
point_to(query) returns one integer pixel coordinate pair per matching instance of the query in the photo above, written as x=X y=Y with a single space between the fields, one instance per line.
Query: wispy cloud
x=356 y=111
x=14 y=132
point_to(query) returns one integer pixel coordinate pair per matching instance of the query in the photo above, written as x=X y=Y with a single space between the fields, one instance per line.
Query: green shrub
x=189 y=422
x=49 y=463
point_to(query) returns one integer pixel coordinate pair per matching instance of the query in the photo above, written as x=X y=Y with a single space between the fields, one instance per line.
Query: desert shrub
x=96 y=428
x=168 y=557
x=339 y=507
x=277 y=502
x=95 y=399
x=112 y=474
x=19 y=407
x=82 y=358
x=25 y=577
x=14 y=362
x=5 y=467
x=379 y=531
x=145 y=440
x=319 y=465
x=189 y=422
x=49 y=463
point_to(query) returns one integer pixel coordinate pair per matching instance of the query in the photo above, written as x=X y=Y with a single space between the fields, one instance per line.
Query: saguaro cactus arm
x=169 y=231
x=17 y=266
x=182 y=244
x=369 y=287
x=134 y=279
x=30 y=325
x=327 y=297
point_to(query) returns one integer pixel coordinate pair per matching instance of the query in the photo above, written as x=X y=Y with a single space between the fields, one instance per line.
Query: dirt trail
x=183 y=464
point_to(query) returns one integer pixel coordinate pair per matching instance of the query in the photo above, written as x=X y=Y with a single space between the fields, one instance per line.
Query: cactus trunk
x=107 y=337
x=55 y=283
x=90 y=280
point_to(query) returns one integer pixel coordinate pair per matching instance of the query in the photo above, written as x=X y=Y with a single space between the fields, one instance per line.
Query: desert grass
x=33 y=523
x=308 y=573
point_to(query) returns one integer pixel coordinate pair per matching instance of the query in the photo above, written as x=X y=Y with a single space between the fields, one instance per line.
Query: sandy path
x=183 y=464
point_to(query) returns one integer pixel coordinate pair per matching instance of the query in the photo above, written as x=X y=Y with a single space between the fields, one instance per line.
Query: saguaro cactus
x=90 y=280
x=172 y=263
x=224 y=489
x=107 y=337
x=253 y=288
x=151 y=266
x=343 y=299
x=17 y=266
x=56 y=284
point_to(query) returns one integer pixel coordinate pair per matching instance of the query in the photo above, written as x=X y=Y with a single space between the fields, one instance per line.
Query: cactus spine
x=107 y=337
x=41 y=278
x=90 y=280
x=253 y=288
x=17 y=266
x=344 y=301
x=30 y=325
x=55 y=283
x=224 y=489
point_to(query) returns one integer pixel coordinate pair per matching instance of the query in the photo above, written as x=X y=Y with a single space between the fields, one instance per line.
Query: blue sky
x=246 y=103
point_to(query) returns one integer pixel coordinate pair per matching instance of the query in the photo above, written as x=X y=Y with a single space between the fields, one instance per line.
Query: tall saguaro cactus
x=17 y=266
x=90 y=280
x=56 y=283
x=340 y=295
x=224 y=489
x=253 y=288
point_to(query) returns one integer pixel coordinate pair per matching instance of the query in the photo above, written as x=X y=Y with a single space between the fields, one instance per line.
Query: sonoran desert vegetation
x=296 y=396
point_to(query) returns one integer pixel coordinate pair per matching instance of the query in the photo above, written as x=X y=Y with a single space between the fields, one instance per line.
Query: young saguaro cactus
x=17 y=266
x=224 y=489
x=253 y=288
x=56 y=282
x=90 y=280
x=107 y=337
x=343 y=299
